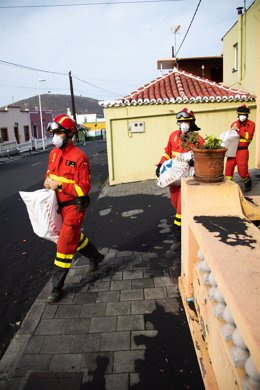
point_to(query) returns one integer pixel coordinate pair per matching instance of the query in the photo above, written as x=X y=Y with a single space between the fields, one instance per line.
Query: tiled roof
x=180 y=87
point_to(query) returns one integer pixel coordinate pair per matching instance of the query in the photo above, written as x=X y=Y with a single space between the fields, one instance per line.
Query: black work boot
x=176 y=238
x=55 y=295
x=248 y=184
x=94 y=262
x=95 y=257
x=58 y=278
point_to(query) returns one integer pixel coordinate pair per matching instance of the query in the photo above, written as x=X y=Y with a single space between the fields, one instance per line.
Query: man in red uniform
x=245 y=129
x=186 y=122
x=68 y=175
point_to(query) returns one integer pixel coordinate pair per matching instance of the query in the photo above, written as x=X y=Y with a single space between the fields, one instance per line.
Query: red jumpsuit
x=70 y=167
x=172 y=149
x=246 y=132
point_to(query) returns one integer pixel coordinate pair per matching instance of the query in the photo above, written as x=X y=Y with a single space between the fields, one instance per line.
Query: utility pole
x=73 y=102
x=72 y=98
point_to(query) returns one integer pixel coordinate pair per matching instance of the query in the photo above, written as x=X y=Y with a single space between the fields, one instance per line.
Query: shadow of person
x=167 y=364
x=98 y=376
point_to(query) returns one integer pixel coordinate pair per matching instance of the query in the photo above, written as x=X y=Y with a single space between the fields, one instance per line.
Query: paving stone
x=142 y=283
x=56 y=344
x=93 y=360
x=68 y=311
x=131 y=295
x=108 y=296
x=31 y=362
x=134 y=378
x=124 y=361
x=76 y=326
x=35 y=344
x=32 y=319
x=155 y=293
x=117 y=308
x=117 y=382
x=103 y=324
x=50 y=326
x=120 y=285
x=142 y=307
x=85 y=343
x=116 y=341
x=99 y=286
x=93 y=310
x=66 y=362
x=132 y=322
x=173 y=291
x=115 y=276
x=162 y=281
x=139 y=342
x=54 y=380
x=170 y=305
x=136 y=274
x=85 y=297
x=50 y=311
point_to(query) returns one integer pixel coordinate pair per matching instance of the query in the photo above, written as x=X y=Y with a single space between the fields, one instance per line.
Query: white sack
x=173 y=170
x=230 y=140
x=42 y=208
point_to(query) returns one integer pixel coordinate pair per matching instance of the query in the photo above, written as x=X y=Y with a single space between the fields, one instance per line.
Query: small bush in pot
x=208 y=157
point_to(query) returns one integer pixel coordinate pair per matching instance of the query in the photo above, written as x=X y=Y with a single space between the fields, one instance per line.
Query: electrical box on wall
x=136 y=127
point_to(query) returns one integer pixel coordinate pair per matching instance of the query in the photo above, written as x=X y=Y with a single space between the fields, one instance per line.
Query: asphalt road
x=26 y=260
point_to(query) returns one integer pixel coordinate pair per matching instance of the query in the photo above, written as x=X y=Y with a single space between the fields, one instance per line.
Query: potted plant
x=208 y=157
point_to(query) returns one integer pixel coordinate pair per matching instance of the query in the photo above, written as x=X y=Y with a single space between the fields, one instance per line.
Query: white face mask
x=58 y=140
x=184 y=127
x=242 y=118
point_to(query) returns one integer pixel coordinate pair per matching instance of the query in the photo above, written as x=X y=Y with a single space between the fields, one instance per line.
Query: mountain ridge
x=58 y=104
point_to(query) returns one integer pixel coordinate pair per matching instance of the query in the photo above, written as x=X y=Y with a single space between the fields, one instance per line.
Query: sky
x=111 y=49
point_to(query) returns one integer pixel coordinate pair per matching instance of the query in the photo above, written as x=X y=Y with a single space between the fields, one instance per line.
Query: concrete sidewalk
x=121 y=328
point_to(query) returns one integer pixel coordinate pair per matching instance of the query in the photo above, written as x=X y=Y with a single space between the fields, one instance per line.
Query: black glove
x=191 y=163
x=157 y=171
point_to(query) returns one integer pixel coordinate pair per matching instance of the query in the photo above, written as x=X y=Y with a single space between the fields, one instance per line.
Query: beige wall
x=14 y=115
x=132 y=157
x=245 y=33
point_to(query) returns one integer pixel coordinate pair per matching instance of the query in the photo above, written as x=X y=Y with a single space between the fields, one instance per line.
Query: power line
x=188 y=27
x=93 y=85
x=88 y=4
x=31 y=68
x=57 y=73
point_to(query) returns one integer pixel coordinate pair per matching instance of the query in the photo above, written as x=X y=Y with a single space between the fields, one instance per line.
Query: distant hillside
x=58 y=104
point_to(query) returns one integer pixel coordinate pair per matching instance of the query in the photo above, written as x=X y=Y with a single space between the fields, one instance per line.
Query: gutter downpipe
x=257 y=135
x=240 y=43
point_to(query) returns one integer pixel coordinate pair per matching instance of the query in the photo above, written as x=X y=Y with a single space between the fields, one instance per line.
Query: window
x=235 y=58
x=4 y=134
x=35 y=131
x=26 y=133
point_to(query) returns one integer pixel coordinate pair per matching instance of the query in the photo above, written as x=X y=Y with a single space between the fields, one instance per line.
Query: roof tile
x=180 y=87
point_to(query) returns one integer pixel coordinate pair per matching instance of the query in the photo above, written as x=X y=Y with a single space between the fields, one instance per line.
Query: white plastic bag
x=173 y=170
x=42 y=208
x=230 y=140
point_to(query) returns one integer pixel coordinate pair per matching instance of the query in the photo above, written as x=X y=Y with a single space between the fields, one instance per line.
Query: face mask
x=184 y=127
x=242 y=118
x=58 y=140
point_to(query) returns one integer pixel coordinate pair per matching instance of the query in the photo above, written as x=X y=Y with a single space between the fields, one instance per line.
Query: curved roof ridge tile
x=177 y=86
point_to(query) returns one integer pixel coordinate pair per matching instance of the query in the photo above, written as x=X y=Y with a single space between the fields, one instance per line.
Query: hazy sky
x=113 y=47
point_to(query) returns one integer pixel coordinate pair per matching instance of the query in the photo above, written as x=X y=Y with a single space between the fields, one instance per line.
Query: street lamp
x=40 y=107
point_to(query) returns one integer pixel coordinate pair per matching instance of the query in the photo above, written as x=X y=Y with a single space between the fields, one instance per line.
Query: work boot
x=55 y=295
x=94 y=262
x=248 y=184
x=176 y=238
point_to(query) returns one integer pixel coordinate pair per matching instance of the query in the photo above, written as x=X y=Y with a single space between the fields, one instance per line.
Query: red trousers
x=175 y=193
x=69 y=237
x=241 y=161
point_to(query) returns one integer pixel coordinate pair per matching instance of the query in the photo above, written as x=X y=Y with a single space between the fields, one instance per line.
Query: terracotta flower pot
x=209 y=165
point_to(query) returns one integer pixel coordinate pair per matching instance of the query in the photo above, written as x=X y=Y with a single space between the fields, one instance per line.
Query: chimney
x=239 y=10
